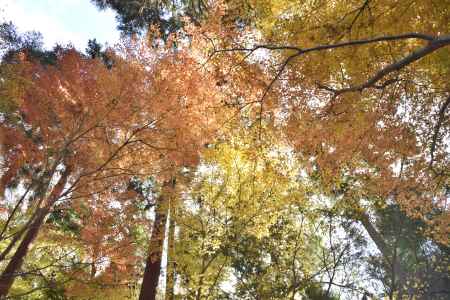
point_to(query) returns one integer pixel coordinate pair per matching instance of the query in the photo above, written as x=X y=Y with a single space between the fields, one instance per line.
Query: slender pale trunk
x=153 y=263
x=9 y=274
x=170 y=281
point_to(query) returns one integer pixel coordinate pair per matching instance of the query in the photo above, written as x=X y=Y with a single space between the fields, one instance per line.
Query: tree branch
x=437 y=128
x=396 y=66
x=434 y=43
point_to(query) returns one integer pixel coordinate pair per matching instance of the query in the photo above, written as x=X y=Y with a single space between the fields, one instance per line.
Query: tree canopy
x=230 y=150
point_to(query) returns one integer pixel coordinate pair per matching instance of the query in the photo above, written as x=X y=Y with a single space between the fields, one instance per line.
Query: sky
x=62 y=21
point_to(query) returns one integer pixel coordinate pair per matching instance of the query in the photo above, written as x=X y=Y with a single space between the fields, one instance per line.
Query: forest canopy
x=230 y=149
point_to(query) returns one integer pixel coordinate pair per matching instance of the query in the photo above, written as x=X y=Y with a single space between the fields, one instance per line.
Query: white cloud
x=61 y=21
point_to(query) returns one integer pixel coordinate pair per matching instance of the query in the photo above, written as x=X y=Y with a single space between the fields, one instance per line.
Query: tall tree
x=335 y=170
x=356 y=97
x=103 y=125
x=167 y=15
x=359 y=96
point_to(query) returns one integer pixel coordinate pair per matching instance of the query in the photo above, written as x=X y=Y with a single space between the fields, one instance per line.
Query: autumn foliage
x=236 y=150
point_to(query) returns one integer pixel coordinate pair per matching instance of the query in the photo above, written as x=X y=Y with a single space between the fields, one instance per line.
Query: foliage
x=167 y=15
x=281 y=150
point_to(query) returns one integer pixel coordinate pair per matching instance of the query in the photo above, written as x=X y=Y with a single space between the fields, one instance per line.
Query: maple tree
x=265 y=149
x=368 y=87
x=85 y=125
x=358 y=96
x=236 y=192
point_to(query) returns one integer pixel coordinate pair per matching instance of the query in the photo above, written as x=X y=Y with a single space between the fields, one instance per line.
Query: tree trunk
x=14 y=241
x=389 y=256
x=16 y=208
x=170 y=281
x=14 y=265
x=153 y=263
x=376 y=237
x=18 y=235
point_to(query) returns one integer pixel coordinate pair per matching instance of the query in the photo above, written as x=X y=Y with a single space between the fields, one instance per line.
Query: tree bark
x=8 y=276
x=389 y=256
x=18 y=235
x=153 y=263
x=376 y=237
x=16 y=208
x=170 y=270
x=14 y=241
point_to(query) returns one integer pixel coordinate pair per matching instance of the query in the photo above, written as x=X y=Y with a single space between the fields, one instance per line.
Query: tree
x=423 y=261
x=13 y=42
x=358 y=95
x=237 y=192
x=280 y=148
x=138 y=16
x=358 y=98
x=93 y=127
x=94 y=50
x=153 y=261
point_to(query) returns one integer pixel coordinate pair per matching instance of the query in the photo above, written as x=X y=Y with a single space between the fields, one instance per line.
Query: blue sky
x=62 y=21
